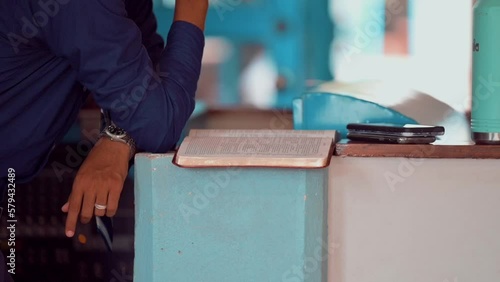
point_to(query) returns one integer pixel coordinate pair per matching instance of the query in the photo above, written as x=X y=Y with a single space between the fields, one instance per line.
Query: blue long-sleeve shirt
x=53 y=52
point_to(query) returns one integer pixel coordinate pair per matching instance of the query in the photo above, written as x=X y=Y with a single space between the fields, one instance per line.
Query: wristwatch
x=117 y=134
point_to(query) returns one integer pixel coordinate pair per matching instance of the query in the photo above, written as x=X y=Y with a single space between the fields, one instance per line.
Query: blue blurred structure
x=297 y=34
x=321 y=111
x=411 y=26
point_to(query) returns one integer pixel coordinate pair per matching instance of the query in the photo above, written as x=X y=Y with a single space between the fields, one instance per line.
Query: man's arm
x=105 y=48
x=192 y=11
x=141 y=12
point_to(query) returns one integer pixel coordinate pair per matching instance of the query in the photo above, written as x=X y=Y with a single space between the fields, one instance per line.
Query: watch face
x=116 y=132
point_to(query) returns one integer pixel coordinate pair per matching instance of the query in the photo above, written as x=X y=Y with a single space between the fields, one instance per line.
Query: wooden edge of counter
x=369 y=150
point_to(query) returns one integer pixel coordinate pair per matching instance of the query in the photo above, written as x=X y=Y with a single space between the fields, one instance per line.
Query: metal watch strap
x=110 y=128
x=125 y=139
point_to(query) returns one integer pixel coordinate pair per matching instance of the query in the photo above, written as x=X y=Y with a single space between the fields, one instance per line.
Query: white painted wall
x=442 y=40
x=440 y=60
x=441 y=223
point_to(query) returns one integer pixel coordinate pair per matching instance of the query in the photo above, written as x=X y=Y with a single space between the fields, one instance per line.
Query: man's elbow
x=161 y=142
x=171 y=137
x=169 y=132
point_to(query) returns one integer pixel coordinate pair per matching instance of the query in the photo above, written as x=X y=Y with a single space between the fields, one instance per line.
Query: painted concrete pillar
x=229 y=224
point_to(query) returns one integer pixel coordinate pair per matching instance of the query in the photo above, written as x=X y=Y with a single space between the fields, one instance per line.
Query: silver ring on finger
x=100 y=207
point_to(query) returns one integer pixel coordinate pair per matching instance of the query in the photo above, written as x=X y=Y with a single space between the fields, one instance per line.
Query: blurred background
x=260 y=56
x=265 y=53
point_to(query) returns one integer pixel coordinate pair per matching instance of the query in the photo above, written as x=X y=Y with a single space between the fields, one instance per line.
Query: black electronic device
x=390 y=138
x=405 y=130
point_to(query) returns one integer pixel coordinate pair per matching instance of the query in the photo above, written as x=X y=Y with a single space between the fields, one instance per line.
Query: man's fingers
x=75 y=202
x=113 y=199
x=106 y=164
x=65 y=207
x=87 y=206
x=101 y=200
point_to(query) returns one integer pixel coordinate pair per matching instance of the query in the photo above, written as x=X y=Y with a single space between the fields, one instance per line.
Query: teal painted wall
x=231 y=224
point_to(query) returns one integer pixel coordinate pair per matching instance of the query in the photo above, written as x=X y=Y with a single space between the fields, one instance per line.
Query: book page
x=248 y=146
x=263 y=133
x=254 y=151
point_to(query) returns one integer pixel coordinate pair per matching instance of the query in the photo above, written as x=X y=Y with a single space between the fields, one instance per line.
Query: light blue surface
x=411 y=26
x=200 y=108
x=297 y=35
x=228 y=224
x=372 y=25
x=322 y=111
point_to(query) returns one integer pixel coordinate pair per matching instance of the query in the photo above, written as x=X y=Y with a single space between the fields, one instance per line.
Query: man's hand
x=192 y=11
x=99 y=181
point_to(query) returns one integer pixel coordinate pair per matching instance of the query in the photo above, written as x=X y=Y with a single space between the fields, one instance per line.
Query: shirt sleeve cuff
x=187 y=32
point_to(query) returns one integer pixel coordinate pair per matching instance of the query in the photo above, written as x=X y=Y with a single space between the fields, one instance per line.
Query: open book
x=256 y=148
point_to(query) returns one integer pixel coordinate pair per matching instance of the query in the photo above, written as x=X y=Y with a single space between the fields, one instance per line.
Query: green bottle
x=485 y=122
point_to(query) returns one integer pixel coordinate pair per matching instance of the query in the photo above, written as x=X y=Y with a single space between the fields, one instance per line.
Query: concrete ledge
x=229 y=224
